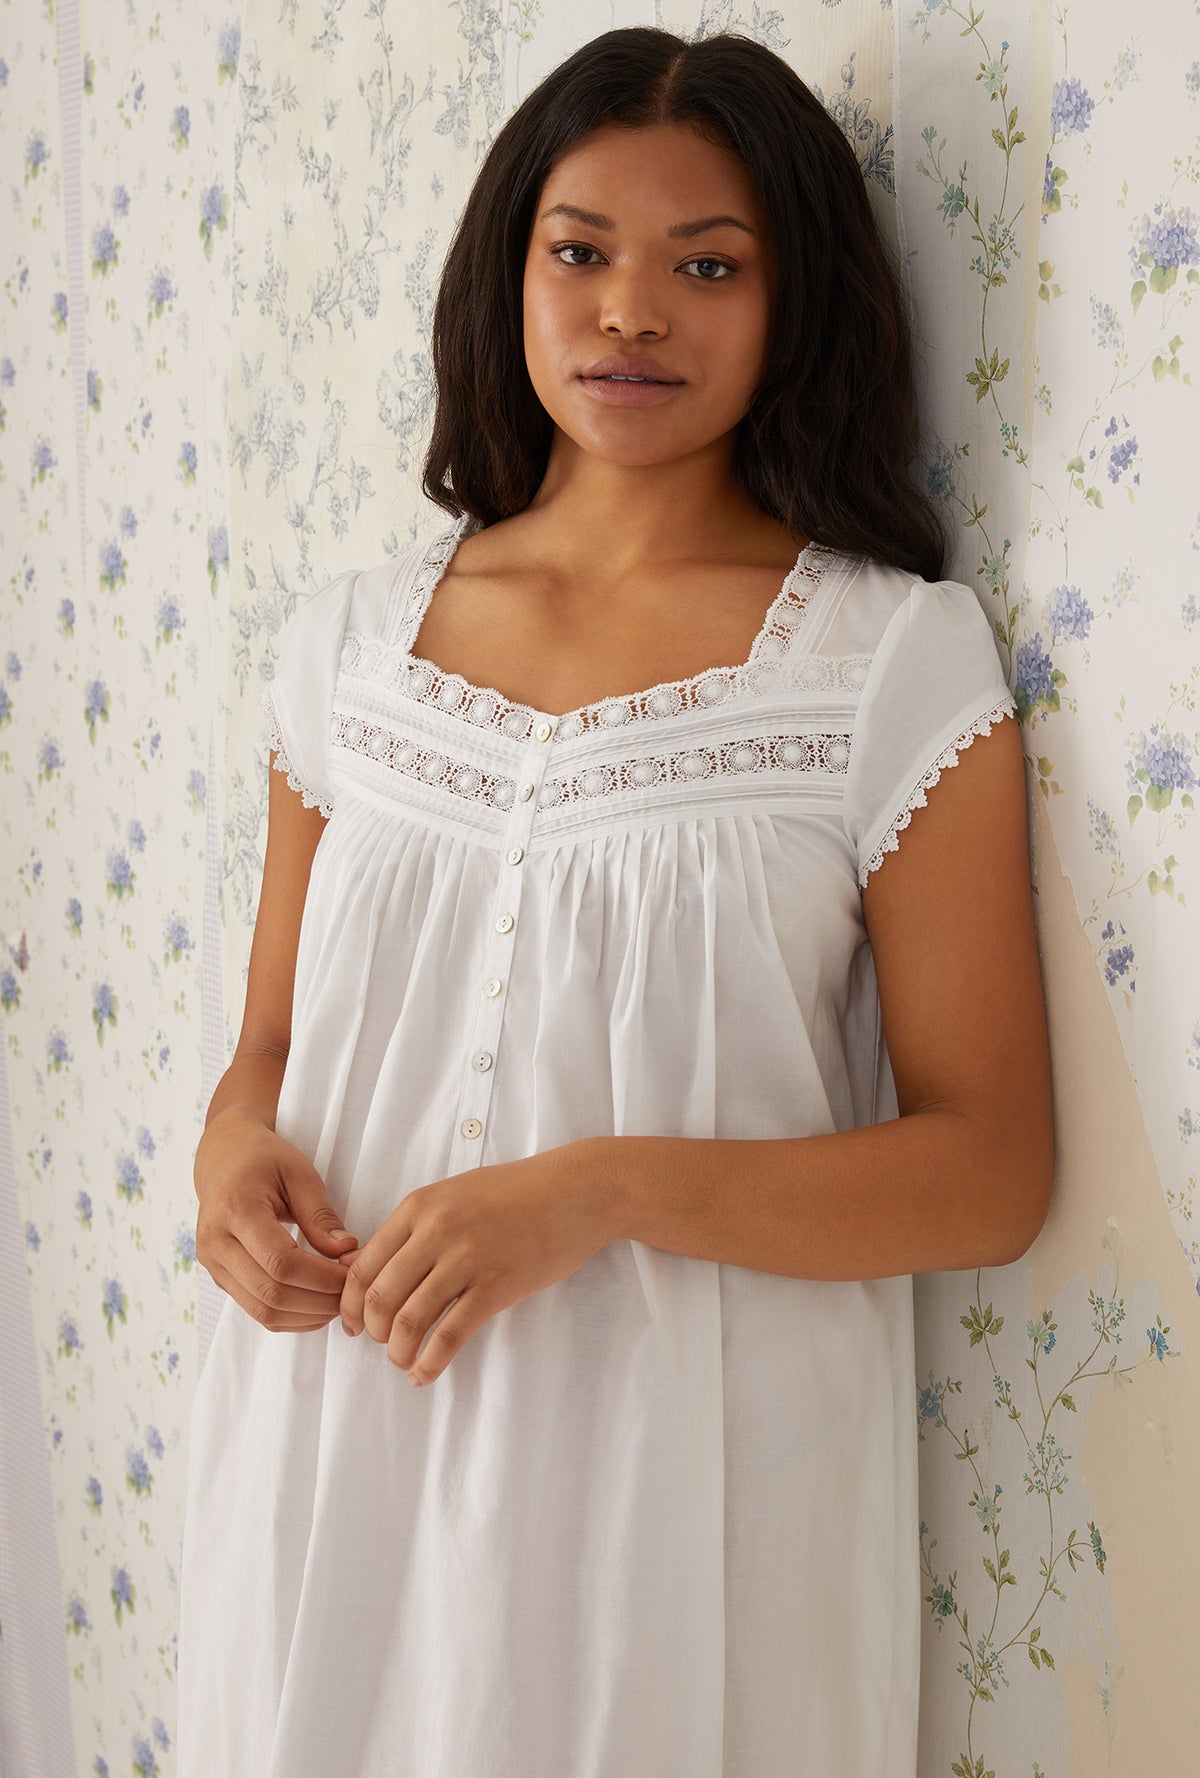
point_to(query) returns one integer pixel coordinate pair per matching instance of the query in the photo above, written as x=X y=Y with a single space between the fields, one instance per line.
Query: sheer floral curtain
x=225 y=231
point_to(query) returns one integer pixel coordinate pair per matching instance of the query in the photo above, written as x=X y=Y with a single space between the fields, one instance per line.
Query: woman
x=605 y=988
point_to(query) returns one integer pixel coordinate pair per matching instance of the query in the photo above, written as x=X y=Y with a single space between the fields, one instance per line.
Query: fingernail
x=339 y=1234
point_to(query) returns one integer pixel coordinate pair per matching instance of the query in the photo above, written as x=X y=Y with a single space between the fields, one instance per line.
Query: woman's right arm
x=248 y=1179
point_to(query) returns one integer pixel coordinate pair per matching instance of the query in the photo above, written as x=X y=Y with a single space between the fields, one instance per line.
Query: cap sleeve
x=299 y=700
x=935 y=682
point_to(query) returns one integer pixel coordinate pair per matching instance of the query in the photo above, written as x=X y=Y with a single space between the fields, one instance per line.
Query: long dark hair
x=828 y=441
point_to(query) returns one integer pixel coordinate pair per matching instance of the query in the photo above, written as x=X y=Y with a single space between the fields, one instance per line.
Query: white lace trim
x=394 y=664
x=281 y=762
x=982 y=725
x=804 y=753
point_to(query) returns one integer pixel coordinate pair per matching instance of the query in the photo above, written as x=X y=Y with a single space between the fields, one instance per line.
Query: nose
x=631 y=307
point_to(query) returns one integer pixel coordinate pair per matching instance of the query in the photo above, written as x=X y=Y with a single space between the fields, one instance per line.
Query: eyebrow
x=684 y=230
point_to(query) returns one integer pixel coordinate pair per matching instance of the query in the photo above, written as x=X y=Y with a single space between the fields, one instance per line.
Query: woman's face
x=618 y=280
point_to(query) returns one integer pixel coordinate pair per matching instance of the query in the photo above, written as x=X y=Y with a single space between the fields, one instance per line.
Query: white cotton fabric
x=660 y=1519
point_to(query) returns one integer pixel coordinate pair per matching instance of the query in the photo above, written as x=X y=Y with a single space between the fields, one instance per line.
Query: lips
x=626 y=365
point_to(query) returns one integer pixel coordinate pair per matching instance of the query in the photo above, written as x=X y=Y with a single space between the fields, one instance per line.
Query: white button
x=483 y=1061
x=493 y=987
x=544 y=730
x=516 y=855
x=525 y=792
x=504 y=923
x=472 y=1127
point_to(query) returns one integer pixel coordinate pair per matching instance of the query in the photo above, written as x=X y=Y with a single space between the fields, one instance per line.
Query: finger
x=274 y=1287
x=279 y=1255
x=276 y=1321
x=399 y=1314
x=365 y=1267
x=462 y=1318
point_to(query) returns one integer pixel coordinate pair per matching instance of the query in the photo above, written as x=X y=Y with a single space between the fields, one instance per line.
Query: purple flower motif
x=104 y=1009
x=120 y=876
x=120 y=201
x=1120 y=458
x=5 y=706
x=177 y=939
x=58 y=308
x=10 y=990
x=12 y=664
x=1170 y=241
x=1160 y=763
x=44 y=460
x=93 y=390
x=129 y=1178
x=137 y=1473
x=32 y=1239
x=196 y=788
x=112 y=566
x=50 y=759
x=1069 y=614
x=1118 y=962
x=137 y=835
x=74 y=915
x=3 y=72
x=169 y=621
x=229 y=45
x=212 y=216
x=122 y=1593
x=127 y=523
x=104 y=249
x=162 y=291
x=145 y=1142
x=114 y=1305
x=36 y=155
x=83 y=1205
x=181 y=125
x=96 y=708
x=94 y=1494
x=144 y=1763
x=154 y=1440
x=1038 y=679
x=188 y=460
x=57 y=1053
x=218 y=548
x=1070 y=108
x=66 y=616
x=68 y=1337
x=77 y=1617
x=8 y=375
x=185 y=1249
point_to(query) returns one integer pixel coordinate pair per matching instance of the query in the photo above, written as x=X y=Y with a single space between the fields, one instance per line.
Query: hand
x=472 y=1245
x=249 y=1180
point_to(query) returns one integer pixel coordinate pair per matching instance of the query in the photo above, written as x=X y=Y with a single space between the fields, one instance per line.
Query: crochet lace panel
x=311 y=798
x=392 y=664
x=982 y=725
x=779 y=753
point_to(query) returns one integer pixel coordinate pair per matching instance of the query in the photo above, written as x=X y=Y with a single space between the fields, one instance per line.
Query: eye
x=573 y=247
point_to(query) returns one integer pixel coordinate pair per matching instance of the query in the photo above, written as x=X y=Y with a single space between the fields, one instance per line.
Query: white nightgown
x=658 y=1520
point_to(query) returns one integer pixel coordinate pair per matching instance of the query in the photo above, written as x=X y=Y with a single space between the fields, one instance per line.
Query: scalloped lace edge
x=311 y=798
x=949 y=756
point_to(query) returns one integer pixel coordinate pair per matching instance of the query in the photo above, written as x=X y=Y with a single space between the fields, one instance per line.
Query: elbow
x=1036 y=1192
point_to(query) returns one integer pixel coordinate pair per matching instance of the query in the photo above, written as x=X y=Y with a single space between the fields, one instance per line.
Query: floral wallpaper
x=224 y=237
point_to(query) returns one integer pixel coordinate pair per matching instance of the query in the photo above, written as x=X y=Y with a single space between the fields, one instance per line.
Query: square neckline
x=810 y=565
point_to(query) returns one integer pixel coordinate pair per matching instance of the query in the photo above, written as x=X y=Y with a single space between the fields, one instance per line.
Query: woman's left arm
x=963 y=1176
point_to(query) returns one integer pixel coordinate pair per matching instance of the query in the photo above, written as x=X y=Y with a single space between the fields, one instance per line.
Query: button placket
x=502 y=925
